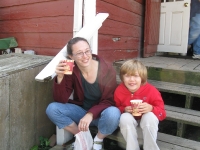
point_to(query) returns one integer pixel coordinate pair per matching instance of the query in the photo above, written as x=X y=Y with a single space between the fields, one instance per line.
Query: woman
x=93 y=82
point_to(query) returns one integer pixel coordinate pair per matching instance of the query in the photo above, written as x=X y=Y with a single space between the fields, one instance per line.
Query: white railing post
x=89 y=14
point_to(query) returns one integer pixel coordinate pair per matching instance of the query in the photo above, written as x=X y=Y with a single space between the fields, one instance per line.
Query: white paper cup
x=134 y=105
x=70 y=65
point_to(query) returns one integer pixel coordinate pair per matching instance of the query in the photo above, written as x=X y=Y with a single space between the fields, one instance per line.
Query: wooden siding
x=152 y=25
x=46 y=25
x=42 y=25
x=125 y=22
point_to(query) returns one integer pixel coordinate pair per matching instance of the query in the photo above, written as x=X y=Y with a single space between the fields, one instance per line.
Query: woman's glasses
x=81 y=54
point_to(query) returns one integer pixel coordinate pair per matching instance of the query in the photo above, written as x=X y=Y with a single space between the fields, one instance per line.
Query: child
x=133 y=75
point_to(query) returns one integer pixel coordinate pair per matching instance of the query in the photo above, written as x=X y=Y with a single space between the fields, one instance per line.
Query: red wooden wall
x=46 y=25
x=126 y=22
x=42 y=25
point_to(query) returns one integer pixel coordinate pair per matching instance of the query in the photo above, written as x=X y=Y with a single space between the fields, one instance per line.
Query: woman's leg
x=149 y=124
x=128 y=126
x=107 y=124
x=109 y=120
x=65 y=116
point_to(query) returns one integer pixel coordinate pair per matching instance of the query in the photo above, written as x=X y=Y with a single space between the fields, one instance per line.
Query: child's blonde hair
x=130 y=67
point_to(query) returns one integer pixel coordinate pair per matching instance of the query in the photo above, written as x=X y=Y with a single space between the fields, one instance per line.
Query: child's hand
x=128 y=109
x=144 y=108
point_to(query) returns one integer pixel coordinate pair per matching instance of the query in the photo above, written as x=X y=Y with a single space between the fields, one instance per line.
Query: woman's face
x=81 y=54
x=132 y=82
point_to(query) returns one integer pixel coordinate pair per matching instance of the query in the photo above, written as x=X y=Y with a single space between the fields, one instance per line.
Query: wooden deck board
x=182 y=64
x=167 y=146
x=175 y=70
x=183 y=118
x=183 y=110
x=179 y=142
x=176 y=88
x=165 y=141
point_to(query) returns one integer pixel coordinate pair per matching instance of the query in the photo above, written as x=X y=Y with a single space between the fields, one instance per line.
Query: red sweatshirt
x=148 y=93
x=107 y=84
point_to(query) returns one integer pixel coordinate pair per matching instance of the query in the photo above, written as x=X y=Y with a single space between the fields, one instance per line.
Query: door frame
x=151 y=27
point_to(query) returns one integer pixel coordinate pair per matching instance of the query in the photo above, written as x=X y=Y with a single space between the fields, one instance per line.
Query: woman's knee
x=112 y=113
x=51 y=108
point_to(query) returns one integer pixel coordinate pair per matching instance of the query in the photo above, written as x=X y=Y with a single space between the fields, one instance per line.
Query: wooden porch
x=171 y=75
x=183 y=70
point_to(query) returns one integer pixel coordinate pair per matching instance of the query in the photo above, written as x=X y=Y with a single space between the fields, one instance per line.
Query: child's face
x=132 y=82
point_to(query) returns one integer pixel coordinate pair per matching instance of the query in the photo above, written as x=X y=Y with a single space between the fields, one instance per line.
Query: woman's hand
x=60 y=70
x=144 y=108
x=85 y=122
x=128 y=109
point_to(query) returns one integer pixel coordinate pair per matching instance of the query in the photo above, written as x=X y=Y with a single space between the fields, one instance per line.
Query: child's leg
x=128 y=129
x=149 y=125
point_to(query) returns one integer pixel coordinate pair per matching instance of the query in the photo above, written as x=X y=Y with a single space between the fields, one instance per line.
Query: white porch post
x=78 y=7
x=89 y=14
x=62 y=136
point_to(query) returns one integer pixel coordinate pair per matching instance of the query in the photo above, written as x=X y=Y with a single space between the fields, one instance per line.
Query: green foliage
x=34 y=147
x=44 y=144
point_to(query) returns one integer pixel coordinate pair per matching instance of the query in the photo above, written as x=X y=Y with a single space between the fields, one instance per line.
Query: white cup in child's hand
x=134 y=105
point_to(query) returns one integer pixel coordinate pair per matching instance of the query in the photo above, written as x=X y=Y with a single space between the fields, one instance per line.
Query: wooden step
x=175 y=88
x=183 y=115
x=175 y=70
x=170 y=142
x=165 y=141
